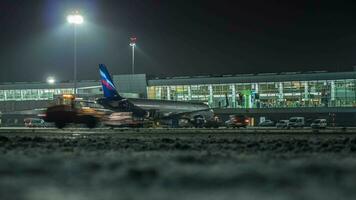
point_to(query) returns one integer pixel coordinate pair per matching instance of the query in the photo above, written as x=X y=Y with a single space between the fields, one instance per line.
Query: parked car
x=282 y=123
x=266 y=123
x=319 y=124
x=34 y=122
x=296 y=122
x=237 y=121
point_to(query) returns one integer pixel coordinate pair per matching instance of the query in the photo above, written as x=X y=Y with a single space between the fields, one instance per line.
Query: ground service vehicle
x=282 y=123
x=237 y=121
x=34 y=122
x=319 y=124
x=69 y=111
x=296 y=122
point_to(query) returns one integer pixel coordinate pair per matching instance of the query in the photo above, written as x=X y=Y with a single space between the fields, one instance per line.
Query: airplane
x=196 y=113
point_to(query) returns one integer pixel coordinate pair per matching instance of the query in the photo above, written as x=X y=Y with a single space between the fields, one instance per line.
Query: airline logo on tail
x=107 y=83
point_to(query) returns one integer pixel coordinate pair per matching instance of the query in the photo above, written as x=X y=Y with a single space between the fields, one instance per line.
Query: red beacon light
x=133 y=41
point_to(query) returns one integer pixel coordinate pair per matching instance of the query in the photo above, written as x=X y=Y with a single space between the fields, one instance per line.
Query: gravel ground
x=177 y=166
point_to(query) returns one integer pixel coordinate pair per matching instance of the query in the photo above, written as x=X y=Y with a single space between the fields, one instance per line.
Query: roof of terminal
x=252 y=78
x=45 y=85
x=196 y=80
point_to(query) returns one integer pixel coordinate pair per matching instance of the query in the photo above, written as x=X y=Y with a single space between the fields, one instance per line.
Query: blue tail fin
x=109 y=88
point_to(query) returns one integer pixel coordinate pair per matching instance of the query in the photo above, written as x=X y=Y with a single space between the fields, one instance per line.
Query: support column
x=189 y=93
x=233 y=96
x=256 y=101
x=38 y=94
x=249 y=101
x=332 y=91
x=159 y=93
x=256 y=87
x=306 y=90
x=210 y=87
x=280 y=92
x=21 y=92
x=168 y=93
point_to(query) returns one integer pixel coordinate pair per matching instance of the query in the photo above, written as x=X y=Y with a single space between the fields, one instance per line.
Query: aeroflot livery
x=157 y=109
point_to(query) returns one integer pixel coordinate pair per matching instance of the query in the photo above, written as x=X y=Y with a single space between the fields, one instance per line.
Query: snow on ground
x=177 y=166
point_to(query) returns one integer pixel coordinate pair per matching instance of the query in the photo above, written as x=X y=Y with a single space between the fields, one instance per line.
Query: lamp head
x=75 y=19
x=51 y=80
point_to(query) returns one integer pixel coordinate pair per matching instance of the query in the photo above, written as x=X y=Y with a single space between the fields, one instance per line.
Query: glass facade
x=264 y=93
x=320 y=93
x=32 y=94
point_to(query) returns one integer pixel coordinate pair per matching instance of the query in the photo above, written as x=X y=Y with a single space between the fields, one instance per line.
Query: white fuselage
x=167 y=108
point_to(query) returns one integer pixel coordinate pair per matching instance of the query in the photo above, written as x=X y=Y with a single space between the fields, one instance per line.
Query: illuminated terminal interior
x=32 y=94
x=285 y=90
x=263 y=95
x=269 y=90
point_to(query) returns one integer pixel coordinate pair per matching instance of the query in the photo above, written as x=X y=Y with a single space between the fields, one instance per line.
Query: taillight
x=247 y=121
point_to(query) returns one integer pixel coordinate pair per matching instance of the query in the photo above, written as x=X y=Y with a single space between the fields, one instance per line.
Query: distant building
x=267 y=90
x=329 y=95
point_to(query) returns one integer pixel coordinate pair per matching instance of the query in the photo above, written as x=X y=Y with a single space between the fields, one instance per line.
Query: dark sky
x=176 y=37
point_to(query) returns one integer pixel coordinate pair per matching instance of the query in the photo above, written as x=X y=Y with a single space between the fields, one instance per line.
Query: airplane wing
x=184 y=114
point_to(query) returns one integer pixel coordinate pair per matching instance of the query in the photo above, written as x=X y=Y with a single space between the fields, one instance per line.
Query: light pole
x=133 y=44
x=75 y=19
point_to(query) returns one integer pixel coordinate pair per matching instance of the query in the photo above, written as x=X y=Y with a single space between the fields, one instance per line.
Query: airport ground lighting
x=75 y=19
x=133 y=45
x=51 y=80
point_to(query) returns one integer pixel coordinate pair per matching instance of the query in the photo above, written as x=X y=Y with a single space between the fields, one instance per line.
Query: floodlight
x=75 y=19
x=51 y=80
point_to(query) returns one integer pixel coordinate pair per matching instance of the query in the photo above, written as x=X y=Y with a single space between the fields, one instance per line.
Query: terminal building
x=253 y=94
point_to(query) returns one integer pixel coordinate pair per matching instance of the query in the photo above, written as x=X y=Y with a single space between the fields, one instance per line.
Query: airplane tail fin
x=109 y=88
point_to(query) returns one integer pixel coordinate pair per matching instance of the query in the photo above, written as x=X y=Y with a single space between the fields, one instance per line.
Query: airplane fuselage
x=162 y=108
x=156 y=109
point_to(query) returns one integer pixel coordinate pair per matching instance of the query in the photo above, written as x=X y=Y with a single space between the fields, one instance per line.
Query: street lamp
x=75 y=19
x=133 y=44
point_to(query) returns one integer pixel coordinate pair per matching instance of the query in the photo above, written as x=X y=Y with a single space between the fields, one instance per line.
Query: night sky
x=175 y=37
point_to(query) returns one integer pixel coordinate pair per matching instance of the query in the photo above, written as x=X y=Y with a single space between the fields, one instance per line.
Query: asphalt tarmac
x=176 y=164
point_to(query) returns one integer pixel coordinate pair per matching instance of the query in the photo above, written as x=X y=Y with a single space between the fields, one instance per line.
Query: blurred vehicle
x=266 y=123
x=237 y=121
x=296 y=122
x=282 y=123
x=70 y=110
x=122 y=119
x=319 y=124
x=34 y=122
